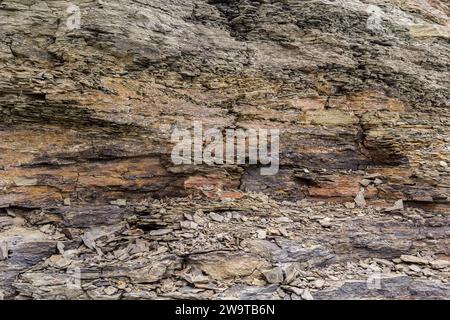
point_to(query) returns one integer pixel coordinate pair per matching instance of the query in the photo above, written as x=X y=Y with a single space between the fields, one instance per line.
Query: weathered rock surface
x=147 y=253
x=360 y=90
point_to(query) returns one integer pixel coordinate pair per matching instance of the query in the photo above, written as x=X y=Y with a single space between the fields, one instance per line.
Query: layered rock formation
x=359 y=90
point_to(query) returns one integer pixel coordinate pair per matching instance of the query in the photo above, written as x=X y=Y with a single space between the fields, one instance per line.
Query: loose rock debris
x=250 y=248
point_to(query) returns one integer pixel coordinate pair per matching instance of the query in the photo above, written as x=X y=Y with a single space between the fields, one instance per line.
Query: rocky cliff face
x=359 y=90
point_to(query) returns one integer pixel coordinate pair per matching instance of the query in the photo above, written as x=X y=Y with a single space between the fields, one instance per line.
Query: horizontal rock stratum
x=360 y=91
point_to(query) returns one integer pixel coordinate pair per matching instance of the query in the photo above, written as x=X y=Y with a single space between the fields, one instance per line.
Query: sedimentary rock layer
x=358 y=88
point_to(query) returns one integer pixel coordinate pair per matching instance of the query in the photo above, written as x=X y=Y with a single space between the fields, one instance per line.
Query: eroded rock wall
x=359 y=90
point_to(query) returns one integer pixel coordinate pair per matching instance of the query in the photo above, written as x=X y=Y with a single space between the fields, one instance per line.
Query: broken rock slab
x=414 y=259
x=360 y=200
x=274 y=275
x=398 y=205
x=3 y=250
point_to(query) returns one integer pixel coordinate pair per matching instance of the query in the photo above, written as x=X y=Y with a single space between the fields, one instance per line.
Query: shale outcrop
x=90 y=92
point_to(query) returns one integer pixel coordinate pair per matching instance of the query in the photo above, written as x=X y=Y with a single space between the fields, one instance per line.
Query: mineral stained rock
x=91 y=205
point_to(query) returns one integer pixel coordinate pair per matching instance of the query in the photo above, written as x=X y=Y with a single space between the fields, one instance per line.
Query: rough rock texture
x=251 y=248
x=362 y=101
